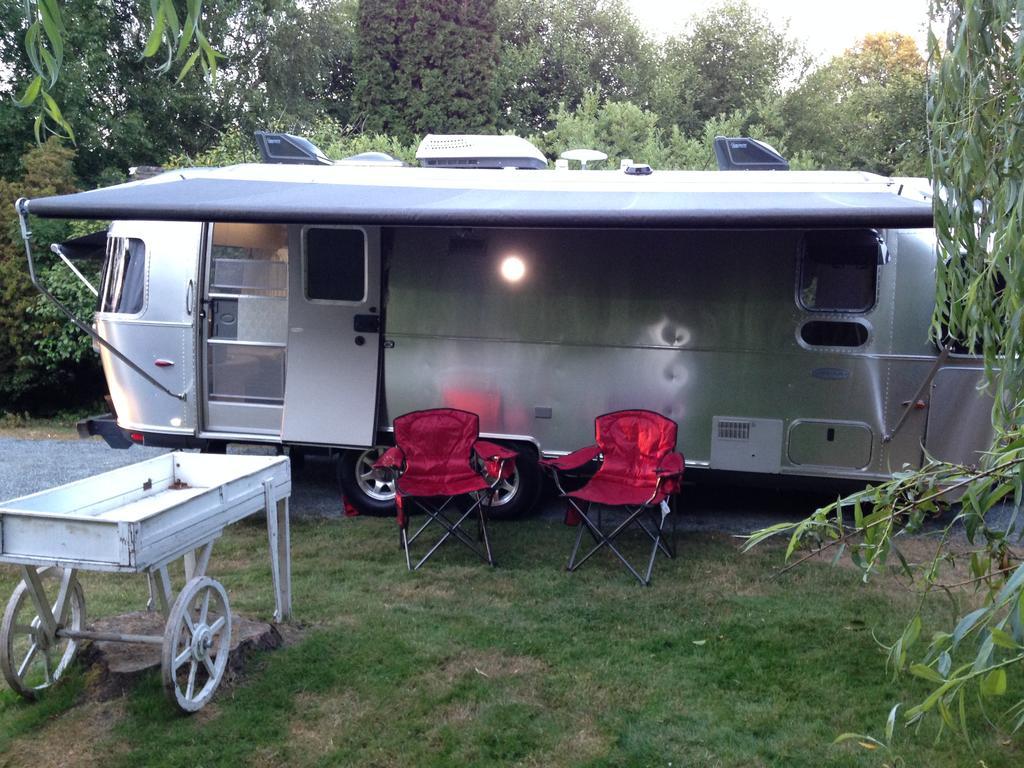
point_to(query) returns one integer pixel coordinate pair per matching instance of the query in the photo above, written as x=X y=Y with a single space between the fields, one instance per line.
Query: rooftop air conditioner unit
x=477 y=151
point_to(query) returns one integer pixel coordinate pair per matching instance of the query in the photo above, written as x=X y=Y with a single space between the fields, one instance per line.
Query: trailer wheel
x=365 y=492
x=516 y=496
x=513 y=498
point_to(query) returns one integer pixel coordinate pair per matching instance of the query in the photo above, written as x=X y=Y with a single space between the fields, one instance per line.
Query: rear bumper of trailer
x=104 y=425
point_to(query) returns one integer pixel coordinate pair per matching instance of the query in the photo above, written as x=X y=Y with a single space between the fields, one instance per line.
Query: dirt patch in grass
x=583 y=743
x=319 y=718
x=490 y=664
x=80 y=737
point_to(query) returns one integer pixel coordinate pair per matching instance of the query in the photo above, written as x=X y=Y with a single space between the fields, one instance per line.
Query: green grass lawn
x=716 y=664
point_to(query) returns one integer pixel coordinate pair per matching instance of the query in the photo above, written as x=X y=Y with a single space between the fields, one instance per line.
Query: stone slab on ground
x=115 y=668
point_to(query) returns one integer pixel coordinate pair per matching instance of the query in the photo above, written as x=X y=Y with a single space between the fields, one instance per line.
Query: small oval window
x=829 y=333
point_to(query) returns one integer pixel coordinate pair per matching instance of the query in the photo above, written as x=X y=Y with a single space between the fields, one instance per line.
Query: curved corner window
x=839 y=270
x=335 y=264
x=124 y=276
x=832 y=333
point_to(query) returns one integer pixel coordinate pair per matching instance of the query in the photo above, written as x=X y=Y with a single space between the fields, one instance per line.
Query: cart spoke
x=210 y=668
x=189 y=623
x=190 y=690
x=25 y=629
x=65 y=610
x=217 y=625
x=27 y=660
x=181 y=658
x=206 y=607
x=46 y=666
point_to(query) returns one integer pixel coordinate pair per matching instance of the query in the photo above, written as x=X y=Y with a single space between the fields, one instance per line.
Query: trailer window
x=838 y=270
x=250 y=259
x=248 y=305
x=124 y=276
x=335 y=264
x=827 y=333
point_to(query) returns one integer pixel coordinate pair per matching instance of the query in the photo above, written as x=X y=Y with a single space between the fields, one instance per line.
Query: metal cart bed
x=138 y=519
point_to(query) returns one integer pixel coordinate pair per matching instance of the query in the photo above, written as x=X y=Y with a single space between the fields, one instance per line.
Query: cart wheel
x=197 y=642
x=31 y=659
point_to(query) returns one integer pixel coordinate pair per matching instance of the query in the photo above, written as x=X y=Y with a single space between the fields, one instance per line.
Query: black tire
x=371 y=497
x=297 y=458
x=367 y=495
x=518 y=496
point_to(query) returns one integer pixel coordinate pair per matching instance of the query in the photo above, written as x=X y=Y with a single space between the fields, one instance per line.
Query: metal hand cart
x=138 y=519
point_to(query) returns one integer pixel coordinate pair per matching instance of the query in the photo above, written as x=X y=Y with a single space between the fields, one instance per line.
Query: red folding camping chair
x=437 y=459
x=639 y=471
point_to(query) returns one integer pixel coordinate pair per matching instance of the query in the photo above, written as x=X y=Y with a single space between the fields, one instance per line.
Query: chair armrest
x=390 y=464
x=493 y=451
x=670 y=473
x=573 y=460
x=672 y=464
x=499 y=460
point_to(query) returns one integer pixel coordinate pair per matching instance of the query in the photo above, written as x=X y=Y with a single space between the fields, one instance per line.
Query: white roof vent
x=478 y=151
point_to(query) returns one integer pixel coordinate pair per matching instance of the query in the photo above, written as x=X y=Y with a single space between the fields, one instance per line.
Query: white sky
x=827 y=27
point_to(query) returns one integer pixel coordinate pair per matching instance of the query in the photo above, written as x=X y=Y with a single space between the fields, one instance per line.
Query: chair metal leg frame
x=602 y=540
x=451 y=529
x=666 y=545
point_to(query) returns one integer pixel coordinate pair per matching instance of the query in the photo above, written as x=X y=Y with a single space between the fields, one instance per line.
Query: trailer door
x=333 y=336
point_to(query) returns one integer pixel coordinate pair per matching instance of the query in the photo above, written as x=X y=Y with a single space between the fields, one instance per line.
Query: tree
x=45 y=364
x=173 y=28
x=863 y=109
x=122 y=114
x=732 y=58
x=977 y=163
x=288 y=63
x=281 y=61
x=554 y=51
x=426 y=66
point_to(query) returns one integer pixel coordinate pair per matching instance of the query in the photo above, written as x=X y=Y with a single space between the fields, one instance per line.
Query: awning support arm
x=912 y=402
x=26 y=234
x=55 y=247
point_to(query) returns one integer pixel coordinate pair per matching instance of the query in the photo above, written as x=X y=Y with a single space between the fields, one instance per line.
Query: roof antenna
x=584 y=156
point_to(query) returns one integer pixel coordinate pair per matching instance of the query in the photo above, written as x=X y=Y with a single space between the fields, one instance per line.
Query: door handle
x=189 y=296
x=366 y=323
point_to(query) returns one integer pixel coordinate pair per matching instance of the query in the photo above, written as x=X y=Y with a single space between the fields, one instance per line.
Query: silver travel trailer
x=780 y=318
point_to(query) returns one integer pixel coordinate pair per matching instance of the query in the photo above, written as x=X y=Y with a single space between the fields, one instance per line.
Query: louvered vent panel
x=734 y=430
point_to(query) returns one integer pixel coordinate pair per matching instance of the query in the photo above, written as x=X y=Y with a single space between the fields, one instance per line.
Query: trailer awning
x=206 y=198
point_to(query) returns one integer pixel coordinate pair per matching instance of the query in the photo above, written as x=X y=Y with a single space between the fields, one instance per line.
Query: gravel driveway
x=27 y=466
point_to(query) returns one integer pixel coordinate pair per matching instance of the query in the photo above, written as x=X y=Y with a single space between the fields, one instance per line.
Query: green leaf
x=926 y=672
x=156 y=36
x=944 y=663
x=31 y=93
x=966 y=624
x=1003 y=639
x=188 y=65
x=984 y=655
x=890 y=723
x=912 y=632
x=994 y=683
x=1012 y=585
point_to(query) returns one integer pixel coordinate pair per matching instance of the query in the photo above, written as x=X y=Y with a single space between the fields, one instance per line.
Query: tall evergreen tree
x=426 y=66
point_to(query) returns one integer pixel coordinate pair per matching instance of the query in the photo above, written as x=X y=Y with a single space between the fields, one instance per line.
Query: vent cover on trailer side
x=746 y=445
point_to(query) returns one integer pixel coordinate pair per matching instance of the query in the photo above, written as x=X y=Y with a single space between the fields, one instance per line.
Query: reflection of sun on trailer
x=781 y=318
